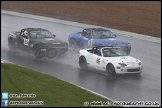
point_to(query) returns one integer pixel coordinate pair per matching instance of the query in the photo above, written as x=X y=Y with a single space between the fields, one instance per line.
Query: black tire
x=11 y=44
x=72 y=43
x=51 y=53
x=83 y=62
x=110 y=69
x=39 y=54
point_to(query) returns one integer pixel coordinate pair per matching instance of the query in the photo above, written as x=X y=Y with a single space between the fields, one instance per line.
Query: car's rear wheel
x=51 y=53
x=83 y=62
x=110 y=69
x=11 y=44
x=39 y=53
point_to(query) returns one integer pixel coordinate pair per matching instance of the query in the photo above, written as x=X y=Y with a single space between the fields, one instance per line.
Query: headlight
x=122 y=64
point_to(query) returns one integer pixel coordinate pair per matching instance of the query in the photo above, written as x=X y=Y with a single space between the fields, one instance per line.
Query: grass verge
x=51 y=90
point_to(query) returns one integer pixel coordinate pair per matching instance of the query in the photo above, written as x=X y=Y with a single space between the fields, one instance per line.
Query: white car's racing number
x=26 y=42
x=98 y=60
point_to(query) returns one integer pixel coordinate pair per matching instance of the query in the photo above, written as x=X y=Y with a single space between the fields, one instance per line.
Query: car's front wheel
x=110 y=69
x=83 y=62
x=51 y=53
x=38 y=53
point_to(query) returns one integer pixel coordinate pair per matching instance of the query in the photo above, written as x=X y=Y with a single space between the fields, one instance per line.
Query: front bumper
x=129 y=69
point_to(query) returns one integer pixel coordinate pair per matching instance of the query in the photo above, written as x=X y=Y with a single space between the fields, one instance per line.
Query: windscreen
x=98 y=34
x=113 y=52
x=41 y=34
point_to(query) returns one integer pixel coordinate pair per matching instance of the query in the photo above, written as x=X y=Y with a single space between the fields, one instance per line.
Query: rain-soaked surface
x=146 y=87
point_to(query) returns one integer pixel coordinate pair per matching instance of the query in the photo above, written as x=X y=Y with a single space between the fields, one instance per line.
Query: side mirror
x=54 y=35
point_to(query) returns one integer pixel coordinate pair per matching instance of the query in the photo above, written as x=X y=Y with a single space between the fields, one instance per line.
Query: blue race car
x=93 y=37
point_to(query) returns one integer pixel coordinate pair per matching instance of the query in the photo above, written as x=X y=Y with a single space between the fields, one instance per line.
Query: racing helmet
x=26 y=33
x=98 y=50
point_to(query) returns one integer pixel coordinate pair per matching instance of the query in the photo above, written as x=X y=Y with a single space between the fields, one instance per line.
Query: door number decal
x=26 y=42
x=98 y=60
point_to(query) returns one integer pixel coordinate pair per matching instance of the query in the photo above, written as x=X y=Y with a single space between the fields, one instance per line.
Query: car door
x=86 y=38
x=96 y=59
x=23 y=41
x=26 y=42
x=34 y=38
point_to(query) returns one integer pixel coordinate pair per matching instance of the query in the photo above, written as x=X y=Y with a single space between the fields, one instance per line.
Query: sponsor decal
x=26 y=42
x=103 y=61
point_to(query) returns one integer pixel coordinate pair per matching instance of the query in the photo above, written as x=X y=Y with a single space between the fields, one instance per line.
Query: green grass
x=51 y=90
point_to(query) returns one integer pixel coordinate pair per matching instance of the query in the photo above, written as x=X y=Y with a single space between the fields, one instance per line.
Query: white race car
x=113 y=60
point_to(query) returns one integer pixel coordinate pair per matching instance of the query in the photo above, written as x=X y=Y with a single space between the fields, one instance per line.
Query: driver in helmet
x=99 y=51
x=26 y=34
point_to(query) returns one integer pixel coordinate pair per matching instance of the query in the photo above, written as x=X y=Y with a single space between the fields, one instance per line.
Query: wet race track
x=146 y=87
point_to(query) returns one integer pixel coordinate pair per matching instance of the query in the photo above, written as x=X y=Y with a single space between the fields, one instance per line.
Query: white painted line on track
x=82 y=25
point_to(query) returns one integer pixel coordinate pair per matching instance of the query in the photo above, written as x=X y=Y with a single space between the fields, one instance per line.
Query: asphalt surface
x=146 y=87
